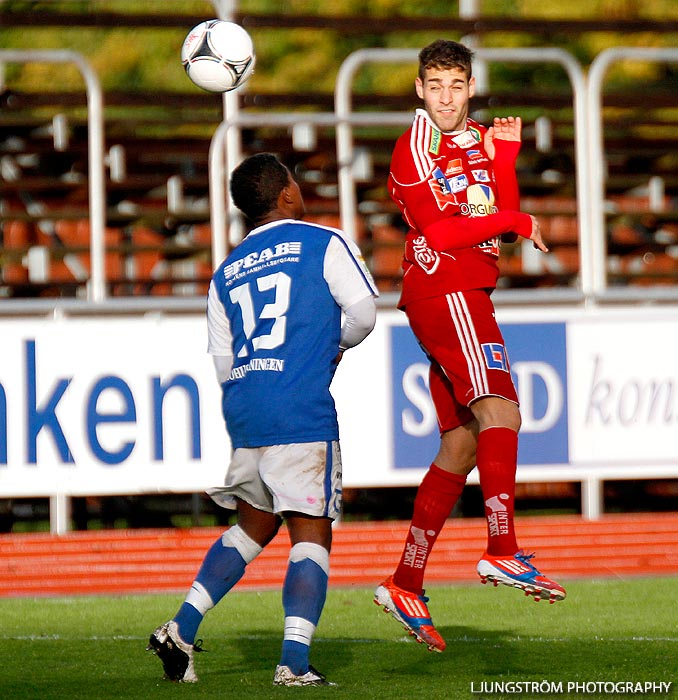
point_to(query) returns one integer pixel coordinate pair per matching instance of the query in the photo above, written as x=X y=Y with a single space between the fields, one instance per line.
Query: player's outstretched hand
x=536 y=238
x=505 y=129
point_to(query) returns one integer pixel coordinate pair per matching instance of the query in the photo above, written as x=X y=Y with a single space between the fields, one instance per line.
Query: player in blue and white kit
x=282 y=309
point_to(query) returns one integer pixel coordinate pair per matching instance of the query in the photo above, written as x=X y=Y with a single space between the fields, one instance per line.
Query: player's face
x=446 y=94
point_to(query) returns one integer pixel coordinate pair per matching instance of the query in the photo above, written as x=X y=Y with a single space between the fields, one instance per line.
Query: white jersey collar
x=271 y=224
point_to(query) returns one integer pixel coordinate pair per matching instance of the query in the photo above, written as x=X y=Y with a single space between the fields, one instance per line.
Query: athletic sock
x=497 y=457
x=304 y=593
x=223 y=566
x=437 y=495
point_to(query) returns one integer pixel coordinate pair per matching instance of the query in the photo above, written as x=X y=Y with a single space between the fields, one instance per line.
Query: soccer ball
x=218 y=56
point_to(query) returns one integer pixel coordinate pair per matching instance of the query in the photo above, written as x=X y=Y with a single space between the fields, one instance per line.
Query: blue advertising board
x=538 y=357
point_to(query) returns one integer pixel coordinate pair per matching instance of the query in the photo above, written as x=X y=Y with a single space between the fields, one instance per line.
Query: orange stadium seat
x=17 y=237
x=145 y=265
x=559 y=229
x=71 y=240
x=650 y=268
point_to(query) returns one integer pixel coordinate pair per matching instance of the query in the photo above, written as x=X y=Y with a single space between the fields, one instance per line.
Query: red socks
x=437 y=495
x=497 y=457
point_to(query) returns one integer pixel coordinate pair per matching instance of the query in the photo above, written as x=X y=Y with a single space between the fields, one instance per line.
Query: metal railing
x=344 y=112
x=225 y=220
x=225 y=151
x=96 y=288
x=596 y=161
x=225 y=154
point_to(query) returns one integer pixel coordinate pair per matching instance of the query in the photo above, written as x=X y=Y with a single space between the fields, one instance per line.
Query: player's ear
x=472 y=86
x=419 y=87
x=286 y=200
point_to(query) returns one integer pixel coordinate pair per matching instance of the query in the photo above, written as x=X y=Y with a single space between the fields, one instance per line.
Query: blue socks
x=223 y=566
x=304 y=593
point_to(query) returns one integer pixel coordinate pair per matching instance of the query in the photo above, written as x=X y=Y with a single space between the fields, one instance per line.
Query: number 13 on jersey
x=281 y=284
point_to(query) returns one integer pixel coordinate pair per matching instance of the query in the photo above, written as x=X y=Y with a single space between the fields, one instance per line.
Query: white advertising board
x=624 y=390
x=131 y=405
x=108 y=406
x=598 y=390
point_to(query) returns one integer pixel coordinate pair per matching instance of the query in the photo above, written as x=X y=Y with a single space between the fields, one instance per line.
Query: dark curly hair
x=256 y=184
x=446 y=55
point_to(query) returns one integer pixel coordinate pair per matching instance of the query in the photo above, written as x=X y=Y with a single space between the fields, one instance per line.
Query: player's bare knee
x=496 y=412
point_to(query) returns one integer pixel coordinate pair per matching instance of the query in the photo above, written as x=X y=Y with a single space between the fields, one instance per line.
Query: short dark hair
x=257 y=183
x=445 y=54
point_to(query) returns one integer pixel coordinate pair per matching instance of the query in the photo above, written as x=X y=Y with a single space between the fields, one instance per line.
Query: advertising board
x=131 y=404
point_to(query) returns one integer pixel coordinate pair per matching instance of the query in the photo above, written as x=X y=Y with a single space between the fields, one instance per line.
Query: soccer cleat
x=284 y=676
x=175 y=654
x=517 y=571
x=411 y=611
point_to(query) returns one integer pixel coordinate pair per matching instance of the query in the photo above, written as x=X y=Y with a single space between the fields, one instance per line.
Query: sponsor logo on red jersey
x=454 y=167
x=479 y=201
x=476 y=133
x=495 y=356
x=434 y=145
x=459 y=183
x=443 y=190
x=466 y=139
x=426 y=258
x=442 y=181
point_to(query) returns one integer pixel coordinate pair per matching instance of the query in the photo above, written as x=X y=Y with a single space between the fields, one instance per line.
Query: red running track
x=363 y=554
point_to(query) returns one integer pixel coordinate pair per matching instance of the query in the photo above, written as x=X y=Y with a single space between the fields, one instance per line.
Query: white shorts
x=300 y=478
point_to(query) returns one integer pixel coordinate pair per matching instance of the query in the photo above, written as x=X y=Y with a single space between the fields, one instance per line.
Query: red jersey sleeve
x=433 y=176
x=505 y=156
x=504 y=164
x=463 y=232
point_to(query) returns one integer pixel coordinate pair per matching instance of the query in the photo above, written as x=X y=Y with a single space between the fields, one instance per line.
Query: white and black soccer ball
x=218 y=56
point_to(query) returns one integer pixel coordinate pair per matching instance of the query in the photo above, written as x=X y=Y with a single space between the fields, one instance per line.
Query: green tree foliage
x=306 y=60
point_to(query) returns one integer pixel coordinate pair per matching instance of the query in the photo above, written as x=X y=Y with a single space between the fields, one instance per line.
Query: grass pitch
x=607 y=632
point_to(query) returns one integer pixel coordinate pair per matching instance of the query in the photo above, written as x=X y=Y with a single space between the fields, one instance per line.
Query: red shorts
x=461 y=337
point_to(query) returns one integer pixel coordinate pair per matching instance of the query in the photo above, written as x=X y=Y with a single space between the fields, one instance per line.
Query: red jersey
x=448 y=191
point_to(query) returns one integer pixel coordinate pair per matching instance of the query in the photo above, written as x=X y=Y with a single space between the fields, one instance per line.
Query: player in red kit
x=455 y=183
